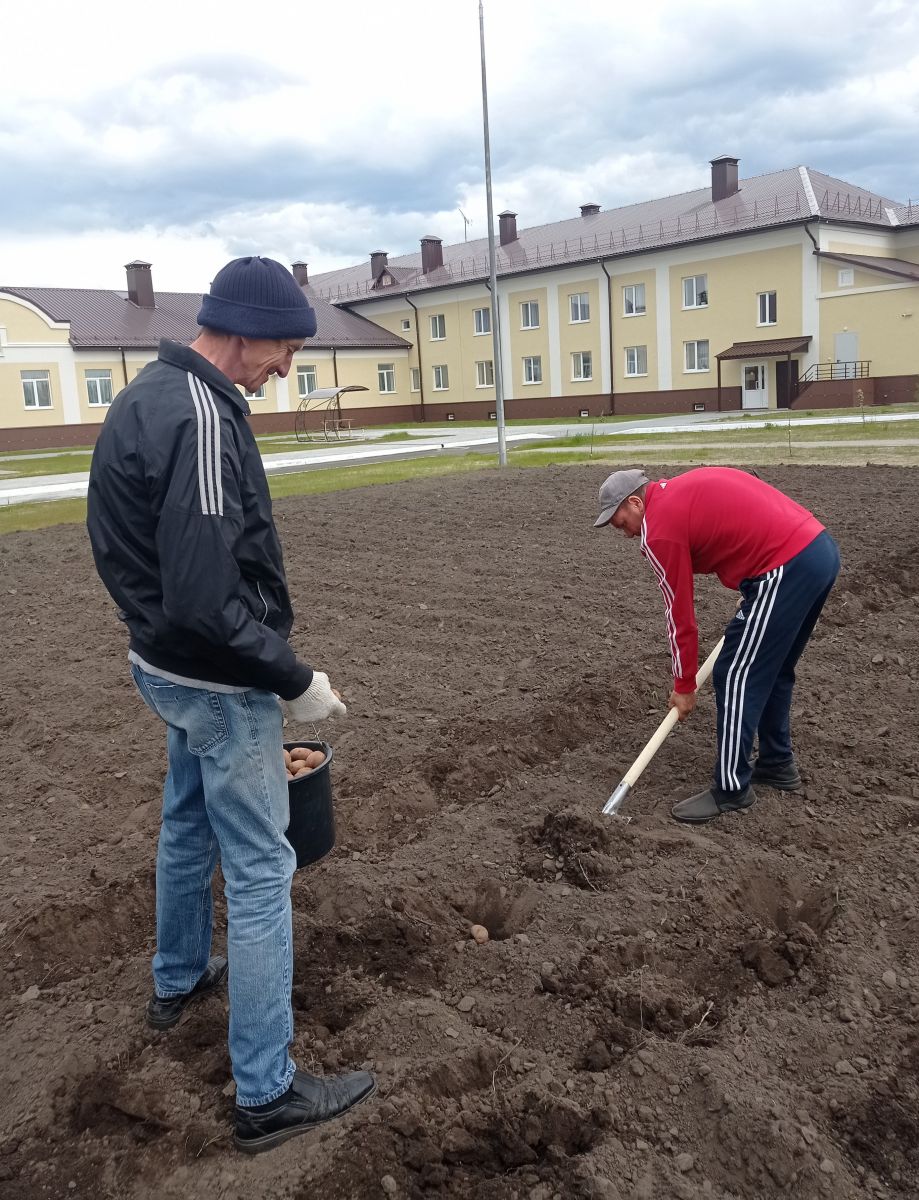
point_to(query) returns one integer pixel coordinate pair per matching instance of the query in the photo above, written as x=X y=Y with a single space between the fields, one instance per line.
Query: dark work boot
x=784 y=776
x=163 y=1014
x=308 y=1102
x=706 y=806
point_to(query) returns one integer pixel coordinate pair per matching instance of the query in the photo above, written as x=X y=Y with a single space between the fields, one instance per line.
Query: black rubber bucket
x=311 y=831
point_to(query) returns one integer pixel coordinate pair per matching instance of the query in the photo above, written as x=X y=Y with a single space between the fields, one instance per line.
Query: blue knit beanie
x=257 y=298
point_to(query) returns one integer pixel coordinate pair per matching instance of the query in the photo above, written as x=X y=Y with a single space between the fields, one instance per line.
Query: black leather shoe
x=163 y=1014
x=308 y=1102
x=784 y=776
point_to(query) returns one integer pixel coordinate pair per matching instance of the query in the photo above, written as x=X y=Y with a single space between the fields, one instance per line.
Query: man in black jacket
x=180 y=521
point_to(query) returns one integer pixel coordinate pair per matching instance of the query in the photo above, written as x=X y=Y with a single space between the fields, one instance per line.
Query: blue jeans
x=226 y=796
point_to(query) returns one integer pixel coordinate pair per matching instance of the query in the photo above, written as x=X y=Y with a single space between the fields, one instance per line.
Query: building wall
x=634 y=329
x=885 y=320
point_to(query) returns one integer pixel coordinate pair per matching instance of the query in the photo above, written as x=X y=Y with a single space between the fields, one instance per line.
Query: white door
x=753 y=385
x=846 y=346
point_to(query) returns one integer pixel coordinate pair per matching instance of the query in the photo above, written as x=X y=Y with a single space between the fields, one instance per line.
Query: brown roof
x=109 y=320
x=784 y=197
x=767 y=348
x=900 y=267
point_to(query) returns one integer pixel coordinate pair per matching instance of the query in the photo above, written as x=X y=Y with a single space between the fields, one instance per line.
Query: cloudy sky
x=324 y=131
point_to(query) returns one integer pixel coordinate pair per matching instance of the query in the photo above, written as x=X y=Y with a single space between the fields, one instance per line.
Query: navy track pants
x=755 y=672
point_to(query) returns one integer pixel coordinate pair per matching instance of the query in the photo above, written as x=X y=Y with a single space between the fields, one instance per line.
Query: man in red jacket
x=725 y=522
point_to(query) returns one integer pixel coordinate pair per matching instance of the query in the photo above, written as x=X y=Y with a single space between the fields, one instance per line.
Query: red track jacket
x=715 y=521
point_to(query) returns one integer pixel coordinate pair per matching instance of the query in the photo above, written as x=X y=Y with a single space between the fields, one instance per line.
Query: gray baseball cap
x=615 y=489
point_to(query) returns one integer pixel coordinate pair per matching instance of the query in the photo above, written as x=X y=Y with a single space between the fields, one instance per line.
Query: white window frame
x=386 y=378
x=845 y=277
x=762 y=306
x=696 y=288
x=441 y=375
x=578 y=308
x=578 y=360
x=415 y=379
x=406 y=324
x=634 y=294
x=528 y=310
x=532 y=369
x=438 y=327
x=485 y=373
x=30 y=381
x=96 y=394
x=634 y=367
x=303 y=371
x=259 y=395
x=695 y=369
x=481 y=322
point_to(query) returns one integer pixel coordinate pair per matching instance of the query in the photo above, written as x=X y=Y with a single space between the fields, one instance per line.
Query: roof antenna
x=466 y=223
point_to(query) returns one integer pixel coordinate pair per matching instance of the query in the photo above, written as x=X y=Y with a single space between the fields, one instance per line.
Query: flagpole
x=492 y=271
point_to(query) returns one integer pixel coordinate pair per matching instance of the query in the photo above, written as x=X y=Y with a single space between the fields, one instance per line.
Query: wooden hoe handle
x=630 y=778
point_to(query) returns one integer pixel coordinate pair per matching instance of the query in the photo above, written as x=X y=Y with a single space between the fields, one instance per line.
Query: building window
x=36 y=388
x=580 y=307
x=636 y=361
x=696 y=355
x=99 y=388
x=529 y=314
x=845 y=277
x=438 y=327
x=481 y=320
x=633 y=300
x=259 y=395
x=386 y=377
x=581 y=366
x=695 y=291
x=532 y=369
x=485 y=374
x=416 y=379
x=766 y=309
x=406 y=324
x=306 y=381
x=441 y=379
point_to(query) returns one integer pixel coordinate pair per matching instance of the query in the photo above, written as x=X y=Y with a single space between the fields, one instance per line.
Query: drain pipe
x=334 y=365
x=418 y=348
x=609 y=306
x=124 y=366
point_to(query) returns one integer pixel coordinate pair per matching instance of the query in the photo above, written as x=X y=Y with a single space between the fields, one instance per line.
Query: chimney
x=378 y=260
x=140 y=284
x=724 y=177
x=301 y=273
x=589 y=210
x=507 y=227
x=432 y=254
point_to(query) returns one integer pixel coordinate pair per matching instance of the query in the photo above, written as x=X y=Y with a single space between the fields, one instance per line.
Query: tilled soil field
x=659 y=1012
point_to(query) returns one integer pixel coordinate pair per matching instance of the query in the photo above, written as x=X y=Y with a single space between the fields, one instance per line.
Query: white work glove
x=316 y=703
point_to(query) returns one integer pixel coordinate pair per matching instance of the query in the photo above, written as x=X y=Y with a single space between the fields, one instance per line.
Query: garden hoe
x=630 y=778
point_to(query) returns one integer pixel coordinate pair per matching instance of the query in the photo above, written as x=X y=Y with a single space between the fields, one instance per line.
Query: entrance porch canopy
x=767 y=348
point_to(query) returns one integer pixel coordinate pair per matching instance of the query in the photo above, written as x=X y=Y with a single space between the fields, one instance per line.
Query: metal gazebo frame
x=334 y=425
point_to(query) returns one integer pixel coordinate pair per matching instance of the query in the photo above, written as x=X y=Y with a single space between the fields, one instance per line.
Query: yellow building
x=788 y=288
x=65 y=353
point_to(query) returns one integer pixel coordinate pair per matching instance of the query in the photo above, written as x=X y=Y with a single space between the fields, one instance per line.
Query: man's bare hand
x=684 y=703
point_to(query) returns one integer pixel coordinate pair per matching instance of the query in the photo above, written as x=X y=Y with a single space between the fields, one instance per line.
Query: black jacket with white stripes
x=179 y=517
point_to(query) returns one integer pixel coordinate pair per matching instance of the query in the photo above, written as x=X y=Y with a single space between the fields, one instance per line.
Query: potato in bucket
x=311 y=831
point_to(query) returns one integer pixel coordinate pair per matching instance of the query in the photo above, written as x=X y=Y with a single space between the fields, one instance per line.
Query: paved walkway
x=445 y=439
